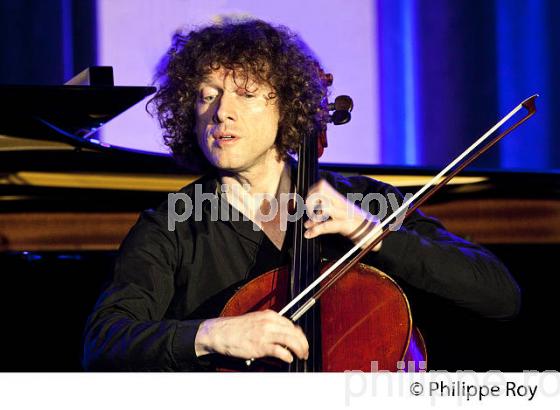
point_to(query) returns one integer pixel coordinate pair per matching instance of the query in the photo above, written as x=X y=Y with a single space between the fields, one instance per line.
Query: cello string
x=305 y=244
x=297 y=264
x=298 y=267
x=312 y=262
x=309 y=273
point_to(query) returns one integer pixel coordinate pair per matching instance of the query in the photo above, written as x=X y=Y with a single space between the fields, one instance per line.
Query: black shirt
x=167 y=282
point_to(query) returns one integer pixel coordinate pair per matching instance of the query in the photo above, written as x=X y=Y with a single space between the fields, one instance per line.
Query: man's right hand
x=252 y=336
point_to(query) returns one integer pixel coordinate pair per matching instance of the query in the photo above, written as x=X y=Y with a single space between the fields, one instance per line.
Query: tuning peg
x=342 y=103
x=340 y=117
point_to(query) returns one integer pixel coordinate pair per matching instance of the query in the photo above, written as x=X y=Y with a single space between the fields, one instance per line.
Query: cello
x=363 y=320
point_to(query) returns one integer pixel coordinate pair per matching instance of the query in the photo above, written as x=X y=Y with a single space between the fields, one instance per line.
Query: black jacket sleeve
x=127 y=330
x=425 y=256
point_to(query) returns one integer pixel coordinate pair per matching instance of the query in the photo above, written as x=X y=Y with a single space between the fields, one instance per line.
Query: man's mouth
x=224 y=137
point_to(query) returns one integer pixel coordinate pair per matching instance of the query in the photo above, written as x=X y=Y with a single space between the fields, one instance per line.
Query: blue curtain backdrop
x=46 y=41
x=451 y=68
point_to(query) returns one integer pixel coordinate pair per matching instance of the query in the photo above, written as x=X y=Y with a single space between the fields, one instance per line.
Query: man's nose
x=225 y=109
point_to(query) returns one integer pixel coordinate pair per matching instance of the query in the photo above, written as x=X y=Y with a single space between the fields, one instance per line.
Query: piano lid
x=70 y=113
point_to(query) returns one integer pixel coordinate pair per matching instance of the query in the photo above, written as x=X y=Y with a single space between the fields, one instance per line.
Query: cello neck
x=306 y=255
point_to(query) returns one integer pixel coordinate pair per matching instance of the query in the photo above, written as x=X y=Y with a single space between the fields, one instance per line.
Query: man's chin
x=228 y=166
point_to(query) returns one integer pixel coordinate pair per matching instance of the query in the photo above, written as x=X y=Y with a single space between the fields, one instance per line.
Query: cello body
x=366 y=323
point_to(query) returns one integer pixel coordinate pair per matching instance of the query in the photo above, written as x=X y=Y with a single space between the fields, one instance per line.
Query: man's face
x=236 y=125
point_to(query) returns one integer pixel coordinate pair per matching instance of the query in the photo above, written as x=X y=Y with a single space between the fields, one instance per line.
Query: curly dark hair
x=251 y=49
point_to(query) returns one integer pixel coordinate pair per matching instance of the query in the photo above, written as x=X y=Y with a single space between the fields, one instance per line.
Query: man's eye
x=247 y=95
x=208 y=98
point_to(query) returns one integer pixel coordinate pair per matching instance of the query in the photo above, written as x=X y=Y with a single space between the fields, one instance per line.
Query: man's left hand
x=332 y=213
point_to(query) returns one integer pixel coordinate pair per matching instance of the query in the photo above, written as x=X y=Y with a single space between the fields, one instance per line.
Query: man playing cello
x=235 y=100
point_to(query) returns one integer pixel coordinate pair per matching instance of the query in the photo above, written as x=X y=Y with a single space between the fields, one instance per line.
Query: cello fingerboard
x=306 y=259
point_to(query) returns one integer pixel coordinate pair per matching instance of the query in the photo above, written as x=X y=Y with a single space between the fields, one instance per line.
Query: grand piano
x=67 y=200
